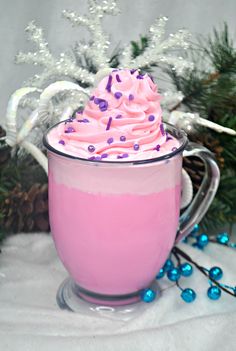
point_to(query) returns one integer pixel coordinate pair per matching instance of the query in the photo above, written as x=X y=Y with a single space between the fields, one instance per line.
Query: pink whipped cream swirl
x=121 y=121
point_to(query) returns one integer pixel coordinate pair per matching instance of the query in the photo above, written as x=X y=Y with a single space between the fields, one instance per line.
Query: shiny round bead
x=195 y=230
x=202 y=240
x=160 y=274
x=168 y=265
x=186 y=269
x=91 y=148
x=151 y=118
x=122 y=138
x=148 y=295
x=118 y=95
x=216 y=273
x=214 y=293
x=173 y=274
x=188 y=295
x=222 y=238
x=110 y=141
x=70 y=130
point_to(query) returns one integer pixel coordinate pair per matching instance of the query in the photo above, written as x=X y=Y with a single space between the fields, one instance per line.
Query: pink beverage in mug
x=114 y=189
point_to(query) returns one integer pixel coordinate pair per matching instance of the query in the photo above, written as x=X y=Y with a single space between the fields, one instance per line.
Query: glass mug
x=115 y=223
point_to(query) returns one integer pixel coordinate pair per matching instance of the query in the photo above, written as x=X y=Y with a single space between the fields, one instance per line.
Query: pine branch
x=210 y=90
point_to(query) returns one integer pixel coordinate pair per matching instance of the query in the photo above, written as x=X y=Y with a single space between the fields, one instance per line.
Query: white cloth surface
x=30 y=273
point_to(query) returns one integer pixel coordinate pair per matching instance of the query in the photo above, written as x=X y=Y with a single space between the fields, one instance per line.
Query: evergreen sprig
x=210 y=90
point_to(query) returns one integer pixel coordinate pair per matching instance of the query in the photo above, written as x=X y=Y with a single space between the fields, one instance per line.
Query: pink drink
x=114 y=191
x=114 y=224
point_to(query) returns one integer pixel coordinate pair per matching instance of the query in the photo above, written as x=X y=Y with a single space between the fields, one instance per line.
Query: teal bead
x=160 y=274
x=173 y=274
x=168 y=265
x=202 y=240
x=222 y=238
x=194 y=230
x=186 y=269
x=188 y=295
x=214 y=293
x=148 y=295
x=216 y=273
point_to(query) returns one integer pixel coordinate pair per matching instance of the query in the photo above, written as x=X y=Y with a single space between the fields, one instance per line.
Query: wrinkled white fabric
x=30 y=273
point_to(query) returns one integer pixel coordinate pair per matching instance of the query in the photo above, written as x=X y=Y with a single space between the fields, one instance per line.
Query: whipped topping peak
x=121 y=121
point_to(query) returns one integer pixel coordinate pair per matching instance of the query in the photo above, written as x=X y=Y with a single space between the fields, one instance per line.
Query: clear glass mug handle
x=202 y=200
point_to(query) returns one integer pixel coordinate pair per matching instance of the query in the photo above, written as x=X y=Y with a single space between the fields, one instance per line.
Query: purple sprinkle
x=125 y=155
x=104 y=155
x=136 y=147
x=132 y=71
x=97 y=101
x=162 y=129
x=103 y=105
x=70 y=130
x=174 y=148
x=98 y=158
x=92 y=158
x=119 y=156
x=115 y=70
x=80 y=111
x=157 y=147
x=122 y=138
x=118 y=95
x=131 y=97
x=84 y=120
x=91 y=98
x=109 y=123
x=118 y=116
x=110 y=141
x=139 y=76
x=118 y=78
x=91 y=148
x=168 y=137
x=151 y=118
x=61 y=142
x=108 y=87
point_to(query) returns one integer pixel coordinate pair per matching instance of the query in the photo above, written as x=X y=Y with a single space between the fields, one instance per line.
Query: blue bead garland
x=214 y=292
x=202 y=240
x=194 y=230
x=222 y=238
x=216 y=273
x=173 y=274
x=168 y=265
x=160 y=274
x=186 y=269
x=148 y=295
x=188 y=295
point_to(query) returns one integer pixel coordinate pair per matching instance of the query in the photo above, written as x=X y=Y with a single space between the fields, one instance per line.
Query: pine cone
x=194 y=166
x=26 y=211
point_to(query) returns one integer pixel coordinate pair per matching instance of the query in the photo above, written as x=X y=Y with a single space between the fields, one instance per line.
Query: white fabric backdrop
x=30 y=320
x=197 y=15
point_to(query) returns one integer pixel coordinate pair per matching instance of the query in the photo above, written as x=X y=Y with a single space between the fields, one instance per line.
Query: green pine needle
x=210 y=90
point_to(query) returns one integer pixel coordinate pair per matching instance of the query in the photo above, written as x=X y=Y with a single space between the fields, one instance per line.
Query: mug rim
x=181 y=137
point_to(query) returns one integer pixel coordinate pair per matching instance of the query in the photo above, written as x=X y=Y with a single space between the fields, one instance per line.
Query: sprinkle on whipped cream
x=121 y=120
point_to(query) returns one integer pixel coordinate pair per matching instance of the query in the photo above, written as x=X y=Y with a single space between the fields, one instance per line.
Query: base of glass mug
x=74 y=298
